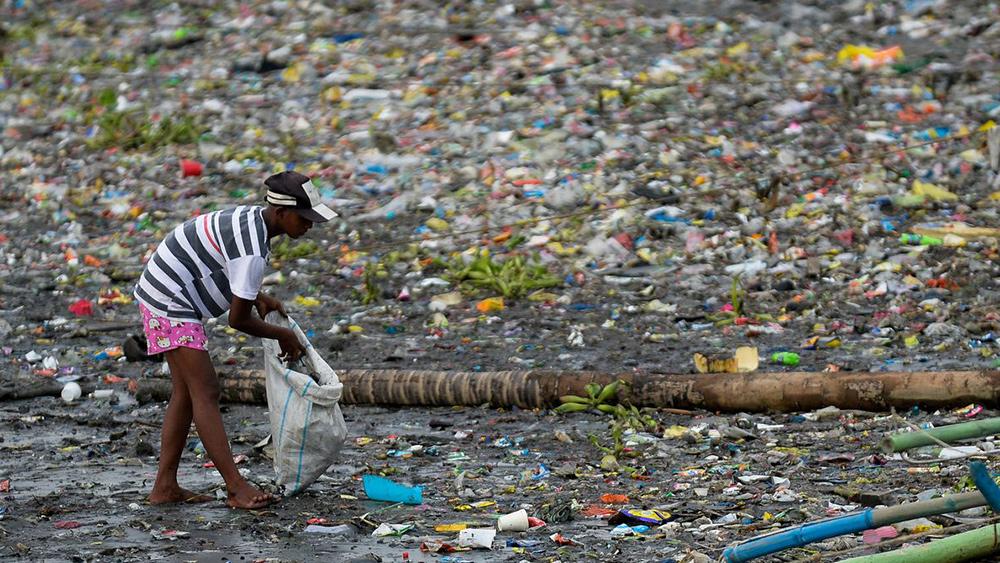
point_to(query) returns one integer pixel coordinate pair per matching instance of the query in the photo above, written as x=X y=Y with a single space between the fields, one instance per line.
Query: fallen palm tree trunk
x=747 y=392
x=948 y=434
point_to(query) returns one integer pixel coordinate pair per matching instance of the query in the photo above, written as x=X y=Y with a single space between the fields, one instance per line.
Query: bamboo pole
x=948 y=434
x=967 y=546
x=922 y=508
x=746 y=392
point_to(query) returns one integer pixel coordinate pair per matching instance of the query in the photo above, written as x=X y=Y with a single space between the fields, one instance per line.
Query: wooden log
x=28 y=387
x=234 y=388
x=801 y=391
x=748 y=392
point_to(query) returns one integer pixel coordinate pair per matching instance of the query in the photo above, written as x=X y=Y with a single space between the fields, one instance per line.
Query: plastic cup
x=190 y=168
x=513 y=522
x=71 y=392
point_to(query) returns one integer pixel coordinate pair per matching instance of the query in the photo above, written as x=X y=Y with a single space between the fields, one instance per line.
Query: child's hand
x=291 y=348
x=265 y=304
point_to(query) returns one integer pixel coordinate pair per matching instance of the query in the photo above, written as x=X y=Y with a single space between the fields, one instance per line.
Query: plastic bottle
x=922 y=240
x=785 y=358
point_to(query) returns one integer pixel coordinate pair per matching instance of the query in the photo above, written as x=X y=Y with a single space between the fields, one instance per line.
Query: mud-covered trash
x=385 y=529
x=169 y=535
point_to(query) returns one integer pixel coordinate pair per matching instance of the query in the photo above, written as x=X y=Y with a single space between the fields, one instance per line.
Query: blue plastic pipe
x=861 y=521
x=799 y=536
x=983 y=479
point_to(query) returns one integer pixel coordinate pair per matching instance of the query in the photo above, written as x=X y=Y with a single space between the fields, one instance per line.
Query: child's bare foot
x=176 y=494
x=248 y=496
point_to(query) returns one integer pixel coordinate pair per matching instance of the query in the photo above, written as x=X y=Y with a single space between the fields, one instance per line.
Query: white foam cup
x=71 y=392
x=513 y=522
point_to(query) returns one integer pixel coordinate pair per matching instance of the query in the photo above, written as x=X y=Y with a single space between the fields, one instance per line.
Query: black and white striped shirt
x=202 y=263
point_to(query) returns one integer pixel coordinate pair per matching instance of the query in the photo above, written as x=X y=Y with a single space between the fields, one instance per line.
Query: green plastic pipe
x=924 y=508
x=947 y=434
x=967 y=546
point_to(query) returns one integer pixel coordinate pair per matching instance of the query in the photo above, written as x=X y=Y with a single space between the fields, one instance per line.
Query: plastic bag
x=307 y=427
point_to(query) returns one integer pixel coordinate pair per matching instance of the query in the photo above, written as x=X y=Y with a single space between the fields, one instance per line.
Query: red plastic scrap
x=562 y=540
x=82 y=308
x=594 y=511
x=318 y=521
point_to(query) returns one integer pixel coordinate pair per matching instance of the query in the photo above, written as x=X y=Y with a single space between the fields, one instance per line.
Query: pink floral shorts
x=163 y=334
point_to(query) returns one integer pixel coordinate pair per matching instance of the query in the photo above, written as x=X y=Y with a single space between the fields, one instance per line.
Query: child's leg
x=176 y=424
x=195 y=368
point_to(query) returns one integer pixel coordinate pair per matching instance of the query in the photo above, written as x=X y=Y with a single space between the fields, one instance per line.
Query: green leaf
x=107 y=98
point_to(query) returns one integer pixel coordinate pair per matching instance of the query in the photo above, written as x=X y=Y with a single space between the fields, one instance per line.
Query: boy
x=207 y=265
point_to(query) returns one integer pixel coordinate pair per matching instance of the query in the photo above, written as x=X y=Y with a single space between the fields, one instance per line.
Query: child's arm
x=241 y=318
x=265 y=304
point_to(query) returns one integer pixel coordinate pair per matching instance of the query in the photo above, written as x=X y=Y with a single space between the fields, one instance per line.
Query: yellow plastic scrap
x=332 y=94
x=490 y=305
x=306 y=301
x=558 y=249
x=740 y=48
x=932 y=191
x=675 y=431
x=812 y=56
x=292 y=74
x=350 y=256
x=864 y=56
x=794 y=210
x=437 y=224
x=360 y=79
x=745 y=359
x=476 y=505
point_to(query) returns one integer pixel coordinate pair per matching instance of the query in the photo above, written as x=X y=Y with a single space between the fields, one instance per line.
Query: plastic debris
x=380 y=488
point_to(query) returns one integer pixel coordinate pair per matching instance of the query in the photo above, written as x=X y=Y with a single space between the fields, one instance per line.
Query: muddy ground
x=79 y=474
